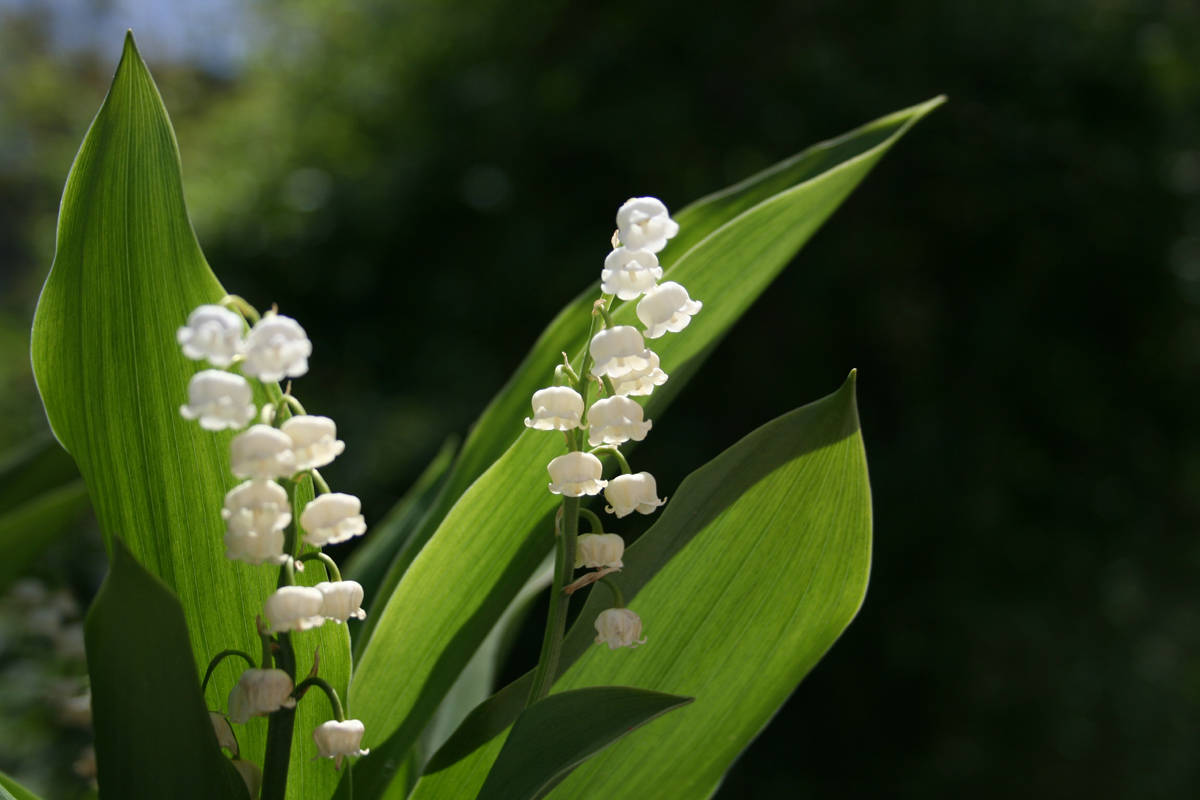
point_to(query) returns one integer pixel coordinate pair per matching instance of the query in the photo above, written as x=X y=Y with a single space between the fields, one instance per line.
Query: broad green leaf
x=11 y=790
x=756 y=566
x=30 y=528
x=455 y=588
x=153 y=733
x=555 y=735
x=127 y=272
x=38 y=466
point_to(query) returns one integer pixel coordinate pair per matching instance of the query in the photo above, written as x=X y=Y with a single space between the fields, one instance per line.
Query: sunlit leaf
x=11 y=790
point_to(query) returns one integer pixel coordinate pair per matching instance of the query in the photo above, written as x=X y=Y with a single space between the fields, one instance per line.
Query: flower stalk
x=556 y=622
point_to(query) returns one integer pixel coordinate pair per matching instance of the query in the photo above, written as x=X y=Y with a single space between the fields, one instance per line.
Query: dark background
x=424 y=184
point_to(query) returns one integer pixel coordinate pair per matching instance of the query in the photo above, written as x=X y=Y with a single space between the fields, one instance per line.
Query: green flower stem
x=217 y=659
x=572 y=442
x=239 y=304
x=329 y=563
x=612 y=449
x=292 y=402
x=330 y=692
x=602 y=307
x=618 y=598
x=609 y=388
x=556 y=620
x=319 y=482
x=593 y=520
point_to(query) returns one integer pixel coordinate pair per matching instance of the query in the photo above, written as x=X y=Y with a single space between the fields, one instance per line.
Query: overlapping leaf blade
x=11 y=790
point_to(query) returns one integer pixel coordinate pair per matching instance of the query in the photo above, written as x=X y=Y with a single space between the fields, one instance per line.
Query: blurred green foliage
x=423 y=184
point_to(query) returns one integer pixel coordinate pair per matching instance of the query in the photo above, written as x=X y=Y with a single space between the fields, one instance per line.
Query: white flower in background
x=343 y=600
x=619 y=627
x=643 y=224
x=294 y=608
x=260 y=692
x=332 y=518
x=212 y=332
x=616 y=419
x=629 y=493
x=576 y=474
x=219 y=400
x=629 y=273
x=225 y=737
x=558 y=408
x=599 y=550
x=314 y=440
x=618 y=351
x=251 y=774
x=262 y=452
x=256 y=512
x=641 y=381
x=277 y=347
x=667 y=308
x=337 y=740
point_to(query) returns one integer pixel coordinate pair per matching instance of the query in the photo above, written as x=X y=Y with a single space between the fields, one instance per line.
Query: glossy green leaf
x=11 y=790
x=127 y=272
x=36 y=467
x=153 y=733
x=555 y=735
x=490 y=540
x=32 y=527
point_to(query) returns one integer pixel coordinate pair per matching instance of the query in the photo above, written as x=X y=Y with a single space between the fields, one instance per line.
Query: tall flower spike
x=213 y=333
x=576 y=474
x=258 y=693
x=667 y=308
x=619 y=627
x=332 y=518
x=602 y=550
x=256 y=512
x=641 y=381
x=343 y=600
x=262 y=452
x=219 y=400
x=644 y=224
x=314 y=440
x=629 y=273
x=616 y=419
x=294 y=608
x=629 y=493
x=618 y=351
x=559 y=408
x=337 y=740
x=277 y=347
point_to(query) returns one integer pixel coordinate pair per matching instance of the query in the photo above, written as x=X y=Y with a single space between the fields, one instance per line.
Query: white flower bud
x=599 y=550
x=277 y=347
x=225 y=737
x=251 y=774
x=619 y=627
x=629 y=273
x=262 y=452
x=294 y=608
x=667 y=308
x=643 y=224
x=332 y=518
x=641 y=381
x=219 y=400
x=576 y=474
x=337 y=740
x=558 y=408
x=314 y=440
x=212 y=332
x=256 y=512
x=614 y=420
x=343 y=600
x=629 y=493
x=260 y=692
x=618 y=351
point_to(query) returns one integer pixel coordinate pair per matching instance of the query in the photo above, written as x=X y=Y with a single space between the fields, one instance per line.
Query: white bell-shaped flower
x=576 y=474
x=219 y=400
x=225 y=737
x=641 y=381
x=212 y=332
x=602 y=550
x=314 y=440
x=277 y=347
x=617 y=351
x=260 y=692
x=616 y=419
x=251 y=774
x=337 y=740
x=558 y=408
x=343 y=600
x=629 y=273
x=262 y=452
x=629 y=493
x=667 y=308
x=256 y=512
x=294 y=608
x=619 y=627
x=644 y=224
x=332 y=518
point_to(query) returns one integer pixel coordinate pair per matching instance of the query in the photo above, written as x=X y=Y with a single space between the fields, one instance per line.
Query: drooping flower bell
x=262 y=452
x=644 y=224
x=619 y=627
x=629 y=493
x=629 y=273
x=558 y=408
x=251 y=774
x=260 y=692
x=602 y=550
x=618 y=351
x=314 y=440
x=667 y=308
x=641 y=381
x=213 y=333
x=277 y=347
x=294 y=608
x=343 y=600
x=332 y=518
x=225 y=737
x=616 y=419
x=338 y=740
x=219 y=400
x=576 y=474
x=256 y=512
